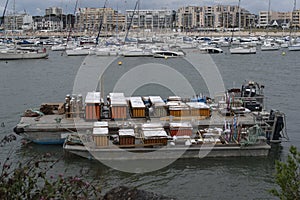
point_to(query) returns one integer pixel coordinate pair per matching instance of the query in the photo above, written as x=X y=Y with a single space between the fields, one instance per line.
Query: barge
x=232 y=124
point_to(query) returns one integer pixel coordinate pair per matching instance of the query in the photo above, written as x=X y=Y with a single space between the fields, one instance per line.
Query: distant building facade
x=295 y=19
x=212 y=17
x=18 y=22
x=54 y=11
x=266 y=18
x=151 y=19
x=49 y=23
x=89 y=19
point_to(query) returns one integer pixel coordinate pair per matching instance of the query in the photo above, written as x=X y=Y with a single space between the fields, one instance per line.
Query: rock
x=125 y=193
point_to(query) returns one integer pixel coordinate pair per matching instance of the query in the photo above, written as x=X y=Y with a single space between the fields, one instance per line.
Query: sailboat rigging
x=242 y=49
x=294 y=45
x=131 y=20
x=101 y=23
x=70 y=31
x=269 y=44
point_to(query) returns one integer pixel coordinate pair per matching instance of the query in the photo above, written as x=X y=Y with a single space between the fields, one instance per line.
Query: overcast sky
x=37 y=7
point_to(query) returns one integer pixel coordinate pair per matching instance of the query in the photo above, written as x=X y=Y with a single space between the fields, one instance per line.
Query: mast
x=2 y=21
x=128 y=28
x=117 y=27
x=292 y=22
x=101 y=23
x=69 y=35
x=269 y=15
x=240 y=18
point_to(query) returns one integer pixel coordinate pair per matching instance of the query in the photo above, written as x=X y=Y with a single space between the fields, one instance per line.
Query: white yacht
x=15 y=54
x=243 y=50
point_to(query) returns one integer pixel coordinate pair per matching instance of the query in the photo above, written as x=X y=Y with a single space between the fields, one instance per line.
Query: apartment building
x=50 y=23
x=267 y=19
x=54 y=11
x=18 y=22
x=295 y=19
x=150 y=19
x=213 y=17
x=89 y=19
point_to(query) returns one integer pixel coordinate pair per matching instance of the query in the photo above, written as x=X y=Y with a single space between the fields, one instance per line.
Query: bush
x=287 y=177
x=31 y=180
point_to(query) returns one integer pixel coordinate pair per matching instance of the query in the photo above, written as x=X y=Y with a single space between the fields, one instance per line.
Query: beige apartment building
x=89 y=19
x=282 y=19
x=213 y=17
x=265 y=18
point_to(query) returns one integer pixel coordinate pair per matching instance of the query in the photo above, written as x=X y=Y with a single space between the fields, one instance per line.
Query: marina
x=257 y=176
x=198 y=102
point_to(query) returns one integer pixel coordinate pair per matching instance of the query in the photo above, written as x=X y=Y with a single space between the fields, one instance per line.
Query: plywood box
x=100 y=136
x=92 y=112
x=126 y=137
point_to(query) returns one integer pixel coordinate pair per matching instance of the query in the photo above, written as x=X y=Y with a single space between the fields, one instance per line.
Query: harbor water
x=28 y=83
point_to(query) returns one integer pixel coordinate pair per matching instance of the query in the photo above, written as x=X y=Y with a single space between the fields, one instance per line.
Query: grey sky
x=37 y=7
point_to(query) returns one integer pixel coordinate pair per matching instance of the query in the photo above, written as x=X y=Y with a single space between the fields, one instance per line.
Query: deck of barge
x=53 y=123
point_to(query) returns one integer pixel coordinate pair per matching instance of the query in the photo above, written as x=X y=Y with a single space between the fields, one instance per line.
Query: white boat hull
x=294 y=47
x=242 y=50
x=22 y=55
x=270 y=48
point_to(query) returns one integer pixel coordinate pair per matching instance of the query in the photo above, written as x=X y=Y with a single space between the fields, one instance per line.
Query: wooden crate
x=126 y=140
x=126 y=137
x=93 y=104
x=181 y=129
x=118 y=112
x=181 y=132
x=138 y=112
x=158 y=140
x=100 y=141
x=179 y=111
x=92 y=111
x=100 y=136
x=205 y=112
x=138 y=108
x=154 y=135
x=199 y=109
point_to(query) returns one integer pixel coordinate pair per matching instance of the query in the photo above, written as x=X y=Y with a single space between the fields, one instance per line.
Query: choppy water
x=27 y=84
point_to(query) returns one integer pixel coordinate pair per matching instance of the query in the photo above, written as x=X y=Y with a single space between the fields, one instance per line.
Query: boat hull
x=294 y=48
x=20 y=56
x=207 y=151
x=45 y=138
x=240 y=50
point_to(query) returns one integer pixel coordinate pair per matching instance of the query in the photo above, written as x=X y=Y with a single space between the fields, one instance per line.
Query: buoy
x=166 y=57
x=283 y=53
x=120 y=63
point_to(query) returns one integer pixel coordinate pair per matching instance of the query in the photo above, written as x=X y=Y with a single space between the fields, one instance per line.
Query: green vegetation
x=287 y=177
x=31 y=180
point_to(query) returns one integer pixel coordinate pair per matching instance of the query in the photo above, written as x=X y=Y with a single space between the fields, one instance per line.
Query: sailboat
x=13 y=53
x=269 y=44
x=295 y=46
x=242 y=49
